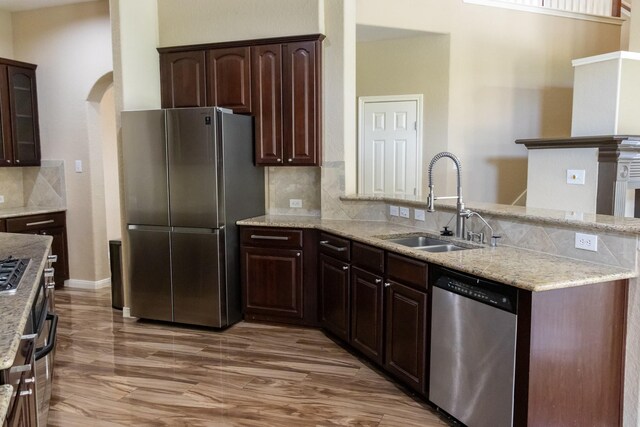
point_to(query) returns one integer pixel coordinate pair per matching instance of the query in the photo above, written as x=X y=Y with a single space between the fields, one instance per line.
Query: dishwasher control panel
x=494 y=294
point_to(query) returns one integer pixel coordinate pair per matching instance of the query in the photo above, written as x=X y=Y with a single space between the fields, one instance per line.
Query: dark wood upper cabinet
x=19 y=128
x=266 y=88
x=25 y=131
x=301 y=103
x=6 y=150
x=276 y=80
x=229 y=78
x=183 y=79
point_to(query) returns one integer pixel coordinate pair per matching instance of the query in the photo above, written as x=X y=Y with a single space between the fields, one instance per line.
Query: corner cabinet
x=277 y=283
x=278 y=81
x=19 y=128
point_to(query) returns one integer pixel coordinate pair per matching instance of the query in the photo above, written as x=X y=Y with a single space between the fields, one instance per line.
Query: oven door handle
x=51 y=340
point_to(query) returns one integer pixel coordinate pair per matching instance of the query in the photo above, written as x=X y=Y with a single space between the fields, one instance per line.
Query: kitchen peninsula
x=571 y=312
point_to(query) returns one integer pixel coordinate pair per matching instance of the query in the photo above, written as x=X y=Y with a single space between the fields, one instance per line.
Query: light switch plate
x=295 y=203
x=1 y=199
x=576 y=176
x=418 y=214
x=78 y=166
x=394 y=211
x=404 y=212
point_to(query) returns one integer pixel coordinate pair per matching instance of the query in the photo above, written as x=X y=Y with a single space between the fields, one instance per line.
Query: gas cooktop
x=11 y=271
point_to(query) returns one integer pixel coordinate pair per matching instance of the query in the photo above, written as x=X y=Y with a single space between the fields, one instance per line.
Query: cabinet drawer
x=407 y=271
x=335 y=246
x=269 y=237
x=367 y=257
x=35 y=222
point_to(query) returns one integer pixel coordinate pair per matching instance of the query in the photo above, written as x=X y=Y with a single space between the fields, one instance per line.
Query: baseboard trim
x=88 y=284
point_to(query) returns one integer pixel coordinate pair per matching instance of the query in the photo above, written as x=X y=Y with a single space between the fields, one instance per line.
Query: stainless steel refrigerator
x=189 y=176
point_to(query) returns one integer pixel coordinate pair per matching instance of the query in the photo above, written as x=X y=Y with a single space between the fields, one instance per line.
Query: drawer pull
x=259 y=237
x=387 y=284
x=48 y=221
x=378 y=280
x=326 y=243
x=48 y=272
x=345 y=267
x=26 y=392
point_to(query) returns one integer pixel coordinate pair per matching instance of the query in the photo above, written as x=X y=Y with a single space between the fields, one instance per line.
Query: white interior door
x=389 y=151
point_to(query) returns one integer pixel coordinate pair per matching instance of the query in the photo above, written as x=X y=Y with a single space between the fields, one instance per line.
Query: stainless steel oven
x=44 y=311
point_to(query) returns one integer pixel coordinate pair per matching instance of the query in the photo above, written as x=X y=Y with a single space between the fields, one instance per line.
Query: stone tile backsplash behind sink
x=614 y=248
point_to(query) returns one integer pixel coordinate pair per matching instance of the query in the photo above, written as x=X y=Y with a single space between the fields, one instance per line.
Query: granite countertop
x=525 y=269
x=15 y=308
x=25 y=210
x=5 y=398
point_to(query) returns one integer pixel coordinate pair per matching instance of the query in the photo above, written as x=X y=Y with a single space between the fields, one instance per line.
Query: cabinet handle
x=51 y=285
x=298 y=254
x=17 y=161
x=52 y=258
x=48 y=272
x=259 y=237
x=387 y=284
x=8 y=161
x=49 y=221
x=29 y=380
x=279 y=160
x=345 y=267
x=378 y=280
x=330 y=246
x=26 y=392
x=290 y=160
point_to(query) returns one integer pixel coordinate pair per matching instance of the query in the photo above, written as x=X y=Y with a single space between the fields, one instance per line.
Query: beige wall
x=414 y=65
x=110 y=161
x=547 y=180
x=204 y=21
x=511 y=77
x=634 y=27
x=6 y=35
x=72 y=47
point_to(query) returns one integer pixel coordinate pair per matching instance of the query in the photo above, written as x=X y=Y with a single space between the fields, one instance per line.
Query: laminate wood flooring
x=111 y=371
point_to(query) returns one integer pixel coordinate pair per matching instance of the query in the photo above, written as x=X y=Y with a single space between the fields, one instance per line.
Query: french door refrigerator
x=189 y=176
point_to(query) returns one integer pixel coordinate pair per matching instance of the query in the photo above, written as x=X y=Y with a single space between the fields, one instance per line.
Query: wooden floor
x=112 y=371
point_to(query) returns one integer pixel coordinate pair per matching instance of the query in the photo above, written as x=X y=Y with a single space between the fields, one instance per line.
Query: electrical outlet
x=394 y=211
x=575 y=176
x=418 y=214
x=295 y=203
x=1 y=199
x=404 y=212
x=588 y=242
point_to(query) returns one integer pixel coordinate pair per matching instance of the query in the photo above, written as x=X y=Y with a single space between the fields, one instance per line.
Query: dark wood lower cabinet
x=570 y=356
x=406 y=335
x=367 y=314
x=334 y=296
x=275 y=282
x=49 y=224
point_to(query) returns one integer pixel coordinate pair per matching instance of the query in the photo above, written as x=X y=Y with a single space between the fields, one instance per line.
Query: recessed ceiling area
x=20 y=5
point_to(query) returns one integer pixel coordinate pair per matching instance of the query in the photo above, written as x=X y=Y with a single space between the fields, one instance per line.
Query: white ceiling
x=18 y=5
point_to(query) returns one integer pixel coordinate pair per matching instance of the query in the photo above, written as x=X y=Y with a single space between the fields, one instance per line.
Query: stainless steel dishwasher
x=473 y=340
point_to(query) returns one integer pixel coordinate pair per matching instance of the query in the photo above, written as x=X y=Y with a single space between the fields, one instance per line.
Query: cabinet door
x=334 y=296
x=24 y=116
x=405 y=351
x=300 y=94
x=366 y=313
x=266 y=93
x=6 y=151
x=182 y=77
x=229 y=78
x=272 y=282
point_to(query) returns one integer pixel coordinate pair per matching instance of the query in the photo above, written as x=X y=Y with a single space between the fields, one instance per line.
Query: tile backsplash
x=41 y=186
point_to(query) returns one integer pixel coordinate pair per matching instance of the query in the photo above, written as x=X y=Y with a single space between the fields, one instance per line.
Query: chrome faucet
x=470 y=235
x=460 y=215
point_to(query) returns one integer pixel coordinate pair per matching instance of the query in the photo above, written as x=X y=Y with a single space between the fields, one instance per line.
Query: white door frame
x=362 y=100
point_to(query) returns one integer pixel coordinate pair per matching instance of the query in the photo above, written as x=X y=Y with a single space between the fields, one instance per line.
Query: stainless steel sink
x=417 y=241
x=442 y=248
x=427 y=243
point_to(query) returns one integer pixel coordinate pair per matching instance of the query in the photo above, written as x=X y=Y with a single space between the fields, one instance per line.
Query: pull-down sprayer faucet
x=460 y=215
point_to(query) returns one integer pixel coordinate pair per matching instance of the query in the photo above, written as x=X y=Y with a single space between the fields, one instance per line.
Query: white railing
x=588 y=7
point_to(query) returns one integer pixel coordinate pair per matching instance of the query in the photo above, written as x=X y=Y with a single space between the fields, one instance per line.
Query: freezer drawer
x=199 y=292
x=150 y=273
